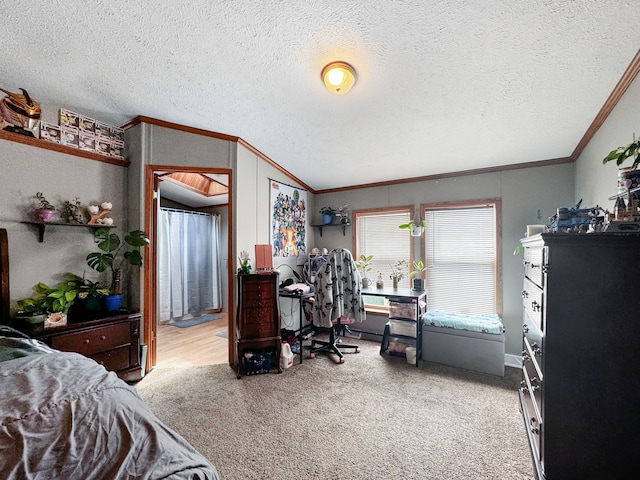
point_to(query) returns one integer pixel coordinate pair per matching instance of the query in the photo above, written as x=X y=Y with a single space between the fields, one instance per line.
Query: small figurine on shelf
x=245 y=263
x=73 y=211
x=99 y=214
x=379 y=281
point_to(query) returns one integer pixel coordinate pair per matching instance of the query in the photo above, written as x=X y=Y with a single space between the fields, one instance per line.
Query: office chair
x=338 y=301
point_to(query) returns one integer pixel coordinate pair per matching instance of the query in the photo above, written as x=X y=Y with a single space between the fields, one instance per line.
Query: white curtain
x=188 y=274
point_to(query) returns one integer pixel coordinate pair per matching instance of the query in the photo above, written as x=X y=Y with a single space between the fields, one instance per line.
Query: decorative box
x=103 y=146
x=103 y=130
x=69 y=136
x=87 y=124
x=257 y=363
x=49 y=132
x=403 y=310
x=86 y=141
x=116 y=149
x=117 y=134
x=69 y=118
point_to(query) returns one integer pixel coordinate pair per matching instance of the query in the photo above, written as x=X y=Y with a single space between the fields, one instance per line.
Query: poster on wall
x=288 y=220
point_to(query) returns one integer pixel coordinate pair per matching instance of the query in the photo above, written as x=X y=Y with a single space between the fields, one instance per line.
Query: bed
x=64 y=416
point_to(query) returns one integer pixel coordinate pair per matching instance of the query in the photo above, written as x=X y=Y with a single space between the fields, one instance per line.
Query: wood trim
x=150 y=277
x=4 y=277
x=176 y=126
x=439 y=176
x=56 y=147
x=620 y=89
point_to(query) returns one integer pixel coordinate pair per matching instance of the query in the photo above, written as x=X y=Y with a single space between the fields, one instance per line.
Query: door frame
x=150 y=284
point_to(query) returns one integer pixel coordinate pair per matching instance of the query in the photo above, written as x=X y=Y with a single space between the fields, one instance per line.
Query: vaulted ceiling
x=442 y=87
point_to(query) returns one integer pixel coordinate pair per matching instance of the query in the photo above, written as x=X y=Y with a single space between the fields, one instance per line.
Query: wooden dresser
x=580 y=393
x=111 y=341
x=258 y=318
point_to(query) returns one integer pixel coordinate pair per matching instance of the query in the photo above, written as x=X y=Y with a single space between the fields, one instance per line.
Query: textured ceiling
x=442 y=86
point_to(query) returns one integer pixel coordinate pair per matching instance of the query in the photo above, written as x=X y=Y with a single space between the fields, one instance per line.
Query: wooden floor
x=192 y=346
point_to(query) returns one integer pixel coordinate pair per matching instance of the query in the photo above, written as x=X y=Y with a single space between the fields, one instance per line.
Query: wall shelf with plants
x=41 y=226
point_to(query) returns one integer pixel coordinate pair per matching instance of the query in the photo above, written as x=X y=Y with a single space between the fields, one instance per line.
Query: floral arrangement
x=397 y=270
x=245 y=263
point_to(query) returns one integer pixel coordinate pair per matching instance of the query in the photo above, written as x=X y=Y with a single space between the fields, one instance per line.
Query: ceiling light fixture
x=339 y=77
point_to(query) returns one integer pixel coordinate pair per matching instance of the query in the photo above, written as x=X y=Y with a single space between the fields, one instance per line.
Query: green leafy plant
x=116 y=253
x=412 y=224
x=419 y=269
x=327 y=211
x=48 y=299
x=43 y=203
x=364 y=264
x=620 y=154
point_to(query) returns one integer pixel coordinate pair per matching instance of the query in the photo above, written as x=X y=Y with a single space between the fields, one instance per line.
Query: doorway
x=199 y=190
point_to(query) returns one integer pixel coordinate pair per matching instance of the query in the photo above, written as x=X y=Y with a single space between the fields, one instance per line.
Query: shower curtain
x=188 y=273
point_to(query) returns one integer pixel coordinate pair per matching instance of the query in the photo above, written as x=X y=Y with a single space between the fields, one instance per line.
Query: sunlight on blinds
x=460 y=246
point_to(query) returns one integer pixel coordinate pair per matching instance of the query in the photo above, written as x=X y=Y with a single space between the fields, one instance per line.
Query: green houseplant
x=327 y=214
x=45 y=210
x=115 y=254
x=415 y=227
x=418 y=272
x=364 y=265
x=47 y=300
x=620 y=154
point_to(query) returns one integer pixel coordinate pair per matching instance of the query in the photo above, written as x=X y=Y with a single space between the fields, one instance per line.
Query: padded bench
x=472 y=342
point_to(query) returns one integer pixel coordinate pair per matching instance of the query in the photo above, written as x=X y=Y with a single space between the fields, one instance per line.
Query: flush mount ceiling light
x=339 y=77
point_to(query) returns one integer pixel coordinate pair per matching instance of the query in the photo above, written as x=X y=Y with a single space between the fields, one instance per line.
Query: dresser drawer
x=114 y=360
x=259 y=323
x=532 y=302
x=533 y=265
x=534 y=382
x=90 y=342
x=532 y=420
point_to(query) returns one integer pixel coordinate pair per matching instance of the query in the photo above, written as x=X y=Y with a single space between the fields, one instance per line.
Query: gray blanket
x=63 y=416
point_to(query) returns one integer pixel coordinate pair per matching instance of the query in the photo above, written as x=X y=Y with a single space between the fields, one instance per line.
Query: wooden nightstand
x=113 y=342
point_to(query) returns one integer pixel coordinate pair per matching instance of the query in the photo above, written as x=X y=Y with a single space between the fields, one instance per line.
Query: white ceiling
x=442 y=86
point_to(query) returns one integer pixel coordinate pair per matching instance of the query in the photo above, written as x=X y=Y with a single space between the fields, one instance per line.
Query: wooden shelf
x=41 y=227
x=56 y=147
x=343 y=225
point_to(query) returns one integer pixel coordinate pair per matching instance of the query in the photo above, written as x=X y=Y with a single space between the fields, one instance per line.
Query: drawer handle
x=103 y=337
x=535 y=265
x=525 y=294
x=87 y=341
x=525 y=356
x=536 y=349
x=534 y=428
x=535 y=306
x=523 y=386
x=525 y=262
x=525 y=328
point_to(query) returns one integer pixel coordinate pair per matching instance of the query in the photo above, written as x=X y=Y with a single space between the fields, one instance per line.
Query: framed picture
x=288 y=220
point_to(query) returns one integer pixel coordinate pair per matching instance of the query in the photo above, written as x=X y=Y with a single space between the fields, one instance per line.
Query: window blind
x=460 y=251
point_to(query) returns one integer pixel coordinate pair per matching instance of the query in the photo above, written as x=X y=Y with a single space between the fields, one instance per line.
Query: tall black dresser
x=580 y=393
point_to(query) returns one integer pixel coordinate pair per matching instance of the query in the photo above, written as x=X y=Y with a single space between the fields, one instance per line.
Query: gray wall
x=523 y=193
x=27 y=170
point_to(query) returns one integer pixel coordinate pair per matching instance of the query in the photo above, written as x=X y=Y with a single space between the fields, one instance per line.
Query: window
x=461 y=251
x=377 y=234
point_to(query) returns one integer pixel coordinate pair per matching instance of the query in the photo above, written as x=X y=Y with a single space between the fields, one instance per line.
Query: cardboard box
x=67 y=118
x=69 y=136
x=103 y=146
x=103 y=130
x=87 y=124
x=117 y=134
x=116 y=150
x=86 y=141
x=49 y=132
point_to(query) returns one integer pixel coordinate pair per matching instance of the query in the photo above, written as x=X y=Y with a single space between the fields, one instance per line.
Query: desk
x=301 y=299
x=402 y=296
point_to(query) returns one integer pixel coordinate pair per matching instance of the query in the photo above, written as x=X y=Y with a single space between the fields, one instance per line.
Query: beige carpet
x=373 y=417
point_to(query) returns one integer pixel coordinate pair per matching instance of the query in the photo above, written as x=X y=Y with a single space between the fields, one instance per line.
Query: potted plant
x=418 y=272
x=245 y=263
x=415 y=228
x=48 y=300
x=327 y=214
x=45 y=210
x=364 y=265
x=113 y=256
x=629 y=177
x=397 y=272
